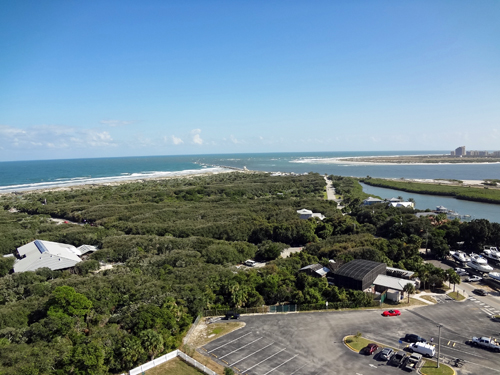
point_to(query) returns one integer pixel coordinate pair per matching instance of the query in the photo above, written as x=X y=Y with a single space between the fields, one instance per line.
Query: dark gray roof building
x=358 y=274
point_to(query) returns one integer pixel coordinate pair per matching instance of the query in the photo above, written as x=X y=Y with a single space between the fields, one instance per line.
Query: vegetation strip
x=460 y=192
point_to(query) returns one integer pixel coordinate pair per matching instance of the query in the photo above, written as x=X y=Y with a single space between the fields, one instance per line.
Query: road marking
x=229 y=342
x=300 y=368
x=281 y=364
x=373 y=365
x=248 y=369
x=252 y=354
x=241 y=347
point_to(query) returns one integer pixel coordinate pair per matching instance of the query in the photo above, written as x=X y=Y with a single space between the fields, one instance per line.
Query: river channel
x=476 y=210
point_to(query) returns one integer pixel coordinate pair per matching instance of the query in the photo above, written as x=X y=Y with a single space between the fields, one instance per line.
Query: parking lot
x=311 y=343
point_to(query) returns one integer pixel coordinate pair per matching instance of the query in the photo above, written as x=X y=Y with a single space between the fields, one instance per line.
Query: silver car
x=386 y=354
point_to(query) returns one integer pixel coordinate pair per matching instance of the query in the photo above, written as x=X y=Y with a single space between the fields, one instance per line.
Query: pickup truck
x=412 y=362
x=486 y=342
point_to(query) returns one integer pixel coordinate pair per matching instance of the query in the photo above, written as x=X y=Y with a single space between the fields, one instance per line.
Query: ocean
x=42 y=174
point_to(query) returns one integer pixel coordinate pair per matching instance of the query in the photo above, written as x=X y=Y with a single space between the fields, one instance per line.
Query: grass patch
x=429 y=298
x=175 y=366
x=357 y=343
x=216 y=331
x=456 y=296
x=430 y=368
x=206 y=333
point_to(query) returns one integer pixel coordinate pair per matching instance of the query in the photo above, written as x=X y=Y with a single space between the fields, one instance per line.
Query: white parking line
x=248 y=369
x=240 y=348
x=300 y=368
x=229 y=342
x=232 y=364
x=282 y=364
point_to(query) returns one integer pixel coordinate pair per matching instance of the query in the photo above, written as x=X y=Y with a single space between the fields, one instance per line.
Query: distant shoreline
x=417 y=160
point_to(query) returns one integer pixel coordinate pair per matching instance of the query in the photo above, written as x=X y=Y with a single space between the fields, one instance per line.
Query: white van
x=423 y=348
x=250 y=263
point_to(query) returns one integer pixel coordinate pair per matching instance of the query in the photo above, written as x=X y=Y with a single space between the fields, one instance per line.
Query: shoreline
x=417 y=160
x=68 y=185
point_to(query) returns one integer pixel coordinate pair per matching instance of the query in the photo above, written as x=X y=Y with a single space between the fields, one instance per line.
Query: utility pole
x=439 y=344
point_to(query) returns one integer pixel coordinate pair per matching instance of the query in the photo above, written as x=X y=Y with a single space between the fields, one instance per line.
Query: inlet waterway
x=476 y=210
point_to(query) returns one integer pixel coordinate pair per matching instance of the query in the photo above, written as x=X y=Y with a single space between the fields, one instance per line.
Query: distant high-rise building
x=460 y=151
x=452 y=153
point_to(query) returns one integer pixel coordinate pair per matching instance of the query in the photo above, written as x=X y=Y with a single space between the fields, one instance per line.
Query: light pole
x=439 y=343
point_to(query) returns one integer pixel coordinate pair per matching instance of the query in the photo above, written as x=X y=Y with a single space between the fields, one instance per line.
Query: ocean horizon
x=44 y=174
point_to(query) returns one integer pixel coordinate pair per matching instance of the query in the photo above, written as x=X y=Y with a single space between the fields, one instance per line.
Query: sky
x=136 y=78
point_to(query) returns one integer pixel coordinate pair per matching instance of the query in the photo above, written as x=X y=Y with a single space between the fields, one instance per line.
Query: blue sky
x=125 y=78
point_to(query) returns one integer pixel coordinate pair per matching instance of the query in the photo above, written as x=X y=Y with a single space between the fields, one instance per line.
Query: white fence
x=167 y=357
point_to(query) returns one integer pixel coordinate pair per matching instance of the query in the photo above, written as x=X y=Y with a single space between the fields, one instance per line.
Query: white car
x=461 y=272
x=473 y=278
x=250 y=263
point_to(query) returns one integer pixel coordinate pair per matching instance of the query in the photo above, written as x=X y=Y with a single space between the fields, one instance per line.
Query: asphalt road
x=311 y=343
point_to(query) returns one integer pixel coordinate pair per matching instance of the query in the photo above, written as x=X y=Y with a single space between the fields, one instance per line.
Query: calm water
x=476 y=210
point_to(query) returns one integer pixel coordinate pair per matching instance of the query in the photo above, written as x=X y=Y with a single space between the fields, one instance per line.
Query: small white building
x=53 y=255
x=393 y=285
x=402 y=204
x=306 y=214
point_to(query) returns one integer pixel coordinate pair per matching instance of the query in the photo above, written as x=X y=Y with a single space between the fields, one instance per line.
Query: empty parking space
x=251 y=353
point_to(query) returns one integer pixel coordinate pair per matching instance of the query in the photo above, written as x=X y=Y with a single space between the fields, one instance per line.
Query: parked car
x=473 y=278
x=397 y=359
x=412 y=362
x=232 y=315
x=423 y=348
x=414 y=338
x=370 y=349
x=386 y=354
x=391 y=313
x=461 y=272
x=480 y=292
x=250 y=263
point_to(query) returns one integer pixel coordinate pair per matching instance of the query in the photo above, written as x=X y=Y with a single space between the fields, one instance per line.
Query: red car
x=391 y=313
x=370 y=349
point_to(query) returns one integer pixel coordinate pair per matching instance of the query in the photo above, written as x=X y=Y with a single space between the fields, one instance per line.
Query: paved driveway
x=311 y=343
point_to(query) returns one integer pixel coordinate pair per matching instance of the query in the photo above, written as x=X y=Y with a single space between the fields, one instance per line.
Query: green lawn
x=430 y=368
x=456 y=296
x=357 y=343
x=175 y=366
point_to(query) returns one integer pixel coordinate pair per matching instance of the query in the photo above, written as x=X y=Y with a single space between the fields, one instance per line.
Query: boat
x=492 y=253
x=479 y=263
x=494 y=275
x=460 y=256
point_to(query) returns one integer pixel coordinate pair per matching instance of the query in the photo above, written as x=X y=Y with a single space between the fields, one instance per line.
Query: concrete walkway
x=419 y=295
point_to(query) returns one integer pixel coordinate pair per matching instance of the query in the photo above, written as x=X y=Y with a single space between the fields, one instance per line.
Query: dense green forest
x=484 y=194
x=174 y=246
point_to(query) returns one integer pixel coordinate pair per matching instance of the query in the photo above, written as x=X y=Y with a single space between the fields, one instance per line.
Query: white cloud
x=55 y=136
x=196 y=136
x=234 y=140
x=114 y=123
x=177 y=141
x=8 y=131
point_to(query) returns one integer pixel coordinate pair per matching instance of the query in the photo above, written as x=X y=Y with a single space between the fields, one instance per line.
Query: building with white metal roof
x=53 y=255
x=389 y=282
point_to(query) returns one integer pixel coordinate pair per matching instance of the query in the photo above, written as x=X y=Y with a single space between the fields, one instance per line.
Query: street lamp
x=439 y=343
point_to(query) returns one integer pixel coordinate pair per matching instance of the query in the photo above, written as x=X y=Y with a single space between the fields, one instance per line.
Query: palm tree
x=452 y=277
x=409 y=289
